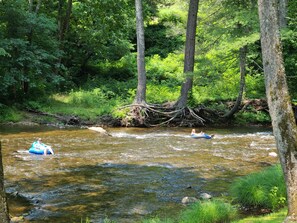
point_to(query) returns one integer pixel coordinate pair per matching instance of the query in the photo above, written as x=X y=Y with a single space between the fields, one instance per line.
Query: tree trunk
x=26 y=84
x=280 y=107
x=4 y=214
x=283 y=13
x=141 y=87
x=242 y=64
x=189 y=53
x=64 y=20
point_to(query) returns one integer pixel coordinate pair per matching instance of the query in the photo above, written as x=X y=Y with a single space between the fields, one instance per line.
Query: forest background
x=77 y=59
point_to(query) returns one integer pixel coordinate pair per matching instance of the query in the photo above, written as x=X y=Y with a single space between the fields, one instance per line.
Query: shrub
x=252 y=117
x=265 y=189
x=164 y=93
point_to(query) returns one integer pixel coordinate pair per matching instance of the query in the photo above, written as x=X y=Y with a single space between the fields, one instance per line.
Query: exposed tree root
x=147 y=115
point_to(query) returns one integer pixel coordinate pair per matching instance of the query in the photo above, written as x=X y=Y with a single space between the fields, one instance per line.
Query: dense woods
x=153 y=62
x=52 y=50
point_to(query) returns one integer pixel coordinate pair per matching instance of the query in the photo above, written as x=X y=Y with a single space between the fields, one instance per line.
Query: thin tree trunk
x=189 y=53
x=141 y=87
x=242 y=64
x=280 y=107
x=64 y=21
x=26 y=83
x=4 y=213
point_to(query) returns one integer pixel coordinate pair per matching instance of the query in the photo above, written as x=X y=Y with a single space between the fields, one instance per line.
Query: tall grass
x=265 y=189
x=215 y=211
x=86 y=104
x=9 y=114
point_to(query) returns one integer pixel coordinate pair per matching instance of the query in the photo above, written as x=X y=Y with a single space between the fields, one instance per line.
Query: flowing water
x=135 y=174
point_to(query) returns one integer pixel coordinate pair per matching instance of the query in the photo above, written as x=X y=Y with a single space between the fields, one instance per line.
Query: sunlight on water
x=133 y=174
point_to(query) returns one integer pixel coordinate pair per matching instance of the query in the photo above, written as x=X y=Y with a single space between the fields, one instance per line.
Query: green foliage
x=214 y=211
x=247 y=117
x=31 y=51
x=9 y=114
x=255 y=86
x=85 y=104
x=167 y=71
x=155 y=34
x=164 y=93
x=265 y=189
x=88 y=98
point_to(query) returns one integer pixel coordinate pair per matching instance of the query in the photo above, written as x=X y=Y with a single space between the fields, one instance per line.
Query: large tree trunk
x=141 y=87
x=242 y=65
x=283 y=13
x=280 y=107
x=4 y=215
x=189 y=53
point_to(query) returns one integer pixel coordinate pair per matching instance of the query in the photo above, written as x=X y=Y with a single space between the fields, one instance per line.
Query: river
x=134 y=174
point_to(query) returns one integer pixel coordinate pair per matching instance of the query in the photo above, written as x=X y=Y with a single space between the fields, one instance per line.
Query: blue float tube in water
x=38 y=151
x=201 y=136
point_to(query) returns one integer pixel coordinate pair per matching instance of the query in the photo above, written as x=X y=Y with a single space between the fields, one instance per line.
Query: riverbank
x=251 y=112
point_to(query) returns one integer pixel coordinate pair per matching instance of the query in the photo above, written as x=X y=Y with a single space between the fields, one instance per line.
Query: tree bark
x=242 y=65
x=4 y=213
x=141 y=87
x=279 y=102
x=189 y=53
x=64 y=20
x=26 y=83
x=282 y=15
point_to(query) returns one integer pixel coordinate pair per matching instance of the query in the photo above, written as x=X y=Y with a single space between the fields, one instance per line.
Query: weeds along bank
x=105 y=105
x=112 y=113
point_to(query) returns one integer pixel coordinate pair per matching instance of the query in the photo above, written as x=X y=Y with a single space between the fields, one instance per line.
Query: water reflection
x=131 y=175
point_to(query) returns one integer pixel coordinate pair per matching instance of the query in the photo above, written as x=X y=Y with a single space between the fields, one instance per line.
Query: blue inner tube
x=38 y=151
x=199 y=136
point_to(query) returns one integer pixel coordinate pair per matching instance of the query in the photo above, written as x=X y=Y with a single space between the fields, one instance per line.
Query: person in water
x=193 y=133
x=41 y=146
x=201 y=134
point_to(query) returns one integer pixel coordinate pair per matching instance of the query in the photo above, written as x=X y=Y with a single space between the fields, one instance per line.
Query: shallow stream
x=135 y=174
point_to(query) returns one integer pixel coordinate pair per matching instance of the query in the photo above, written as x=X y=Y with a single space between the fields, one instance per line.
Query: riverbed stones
x=189 y=200
x=205 y=196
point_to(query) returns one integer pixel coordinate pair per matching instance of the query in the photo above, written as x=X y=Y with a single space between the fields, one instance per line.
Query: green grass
x=85 y=104
x=9 y=114
x=276 y=217
x=214 y=211
x=265 y=189
x=158 y=220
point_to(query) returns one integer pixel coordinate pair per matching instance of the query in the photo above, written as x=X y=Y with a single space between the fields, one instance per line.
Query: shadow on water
x=136 y=173
x=122 y=192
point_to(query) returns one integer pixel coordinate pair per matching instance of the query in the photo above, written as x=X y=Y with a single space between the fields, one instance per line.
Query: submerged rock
x=205 y=196
x=99 y=129
x=189 y=200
